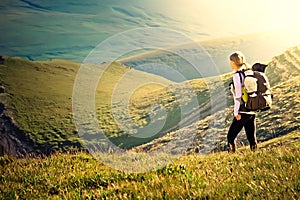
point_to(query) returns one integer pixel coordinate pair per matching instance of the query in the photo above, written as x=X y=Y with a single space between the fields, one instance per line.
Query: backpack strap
x=240 y=74
x=241 y=79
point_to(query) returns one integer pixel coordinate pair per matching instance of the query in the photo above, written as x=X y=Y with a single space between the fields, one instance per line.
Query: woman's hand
x=238 y=117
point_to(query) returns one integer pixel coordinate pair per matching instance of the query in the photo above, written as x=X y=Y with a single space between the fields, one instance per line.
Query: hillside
x=37 y=113
x=283 y=72
x=36 y=103
x=284 y=75
x=282 y=119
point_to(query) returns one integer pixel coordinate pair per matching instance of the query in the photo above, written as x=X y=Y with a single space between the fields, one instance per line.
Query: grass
x=270 y=173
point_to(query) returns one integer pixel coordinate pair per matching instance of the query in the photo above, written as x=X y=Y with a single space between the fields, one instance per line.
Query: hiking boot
x=253 y=147
x=231 y=148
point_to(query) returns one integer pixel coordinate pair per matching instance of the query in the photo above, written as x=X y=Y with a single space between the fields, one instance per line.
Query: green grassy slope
x=39 y=98
x=270 y=173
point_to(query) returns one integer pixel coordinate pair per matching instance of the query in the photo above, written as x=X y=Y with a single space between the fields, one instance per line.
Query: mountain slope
x=38 y=99
x=282 y=119
x=285 y=66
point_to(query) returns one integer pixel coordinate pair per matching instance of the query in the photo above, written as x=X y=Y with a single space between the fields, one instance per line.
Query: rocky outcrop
x=1 y=60
x=13 y=141
x=2 y=89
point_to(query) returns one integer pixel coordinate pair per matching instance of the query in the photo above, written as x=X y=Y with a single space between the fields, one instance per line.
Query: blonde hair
x=239 y=59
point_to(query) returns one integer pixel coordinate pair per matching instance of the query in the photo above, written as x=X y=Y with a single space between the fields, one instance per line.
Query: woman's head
x=237 y=60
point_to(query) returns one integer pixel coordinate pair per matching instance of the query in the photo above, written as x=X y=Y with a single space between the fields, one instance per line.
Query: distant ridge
x=33 y=5
x=258 y=47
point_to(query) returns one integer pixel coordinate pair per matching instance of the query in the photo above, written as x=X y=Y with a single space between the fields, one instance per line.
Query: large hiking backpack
x=257 y=86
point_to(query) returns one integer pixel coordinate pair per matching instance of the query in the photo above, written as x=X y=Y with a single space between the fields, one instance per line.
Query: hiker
x=242 y=117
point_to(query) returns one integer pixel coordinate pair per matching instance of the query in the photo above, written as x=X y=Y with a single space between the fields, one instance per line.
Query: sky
x=70 y=29
x=235 y=17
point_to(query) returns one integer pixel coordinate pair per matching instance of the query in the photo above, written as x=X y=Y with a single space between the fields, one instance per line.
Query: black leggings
x=248 y=122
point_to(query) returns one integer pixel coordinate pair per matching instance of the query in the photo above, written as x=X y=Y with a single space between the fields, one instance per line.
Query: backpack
x=256 y=84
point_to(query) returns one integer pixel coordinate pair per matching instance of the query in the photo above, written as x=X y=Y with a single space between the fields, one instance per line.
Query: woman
x=242 y=117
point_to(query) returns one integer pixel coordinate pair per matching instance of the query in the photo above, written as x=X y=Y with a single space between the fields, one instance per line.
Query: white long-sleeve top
x=237 y=92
